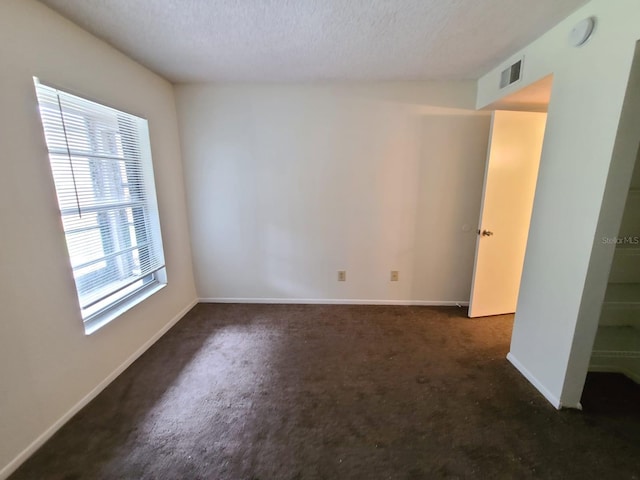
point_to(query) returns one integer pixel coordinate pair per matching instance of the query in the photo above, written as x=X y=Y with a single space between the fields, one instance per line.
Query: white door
x=515 y=146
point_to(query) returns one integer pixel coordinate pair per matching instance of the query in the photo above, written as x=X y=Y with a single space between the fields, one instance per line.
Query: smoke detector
x=582 y=31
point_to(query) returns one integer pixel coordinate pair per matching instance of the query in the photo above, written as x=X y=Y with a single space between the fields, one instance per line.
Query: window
x=101 y=164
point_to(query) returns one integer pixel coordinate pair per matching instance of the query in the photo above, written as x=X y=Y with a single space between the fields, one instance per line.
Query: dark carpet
x=271 y=392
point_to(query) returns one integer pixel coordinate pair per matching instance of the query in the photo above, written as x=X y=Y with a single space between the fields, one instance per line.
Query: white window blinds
x=101 y=164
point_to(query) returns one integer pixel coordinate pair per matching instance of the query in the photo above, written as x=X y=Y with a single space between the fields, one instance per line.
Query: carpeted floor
x=284 y=392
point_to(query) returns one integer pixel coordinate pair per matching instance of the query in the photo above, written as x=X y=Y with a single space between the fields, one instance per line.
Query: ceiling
x=315 y=40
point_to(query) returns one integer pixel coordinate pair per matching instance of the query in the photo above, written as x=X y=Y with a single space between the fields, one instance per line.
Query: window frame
x=130 y=219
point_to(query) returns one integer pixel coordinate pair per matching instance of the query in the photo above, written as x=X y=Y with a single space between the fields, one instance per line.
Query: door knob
x=486 y=233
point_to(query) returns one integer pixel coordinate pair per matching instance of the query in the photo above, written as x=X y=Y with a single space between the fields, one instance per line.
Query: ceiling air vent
x=511 y=74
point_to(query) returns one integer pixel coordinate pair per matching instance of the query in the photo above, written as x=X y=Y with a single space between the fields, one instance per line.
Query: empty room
x=304 y=239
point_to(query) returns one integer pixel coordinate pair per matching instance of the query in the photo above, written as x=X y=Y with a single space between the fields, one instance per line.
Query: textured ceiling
x=310 y=40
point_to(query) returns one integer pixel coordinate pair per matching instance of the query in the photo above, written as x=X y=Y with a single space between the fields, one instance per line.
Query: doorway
x=513 y=157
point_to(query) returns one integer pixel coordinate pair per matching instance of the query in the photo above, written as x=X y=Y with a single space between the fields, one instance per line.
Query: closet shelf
x=622 y=294
x=627 y=249
x=617 y=342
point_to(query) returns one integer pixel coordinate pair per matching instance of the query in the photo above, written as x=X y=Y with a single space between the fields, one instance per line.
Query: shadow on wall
x=323 y=180
x=417 y=212
x=451 y=181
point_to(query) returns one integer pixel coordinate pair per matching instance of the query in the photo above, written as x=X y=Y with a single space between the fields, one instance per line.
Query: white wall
x=287 y=184
x=566 y=264
x=47 y=364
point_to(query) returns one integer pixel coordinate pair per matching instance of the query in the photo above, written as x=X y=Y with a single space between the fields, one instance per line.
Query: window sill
x=94 y=324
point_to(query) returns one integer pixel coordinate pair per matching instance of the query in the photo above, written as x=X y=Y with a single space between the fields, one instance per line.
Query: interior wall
x=566 y=266
x=287 y=184
x=47 y=364
x=617 y=343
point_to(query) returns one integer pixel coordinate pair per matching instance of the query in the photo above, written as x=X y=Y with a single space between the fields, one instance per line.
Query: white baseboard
x=13 y=465
x=555 y=401
x=337 y=301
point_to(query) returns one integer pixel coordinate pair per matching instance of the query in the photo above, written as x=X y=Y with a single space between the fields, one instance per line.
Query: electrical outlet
x=394 y=275
x=342 y=275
